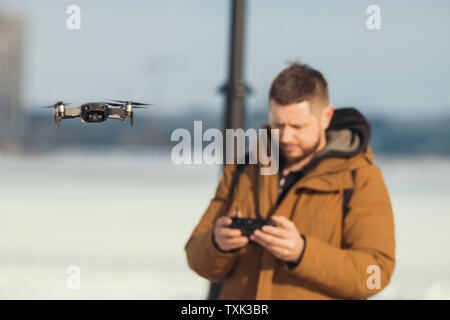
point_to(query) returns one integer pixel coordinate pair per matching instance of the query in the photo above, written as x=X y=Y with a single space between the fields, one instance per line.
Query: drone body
x=97 y=111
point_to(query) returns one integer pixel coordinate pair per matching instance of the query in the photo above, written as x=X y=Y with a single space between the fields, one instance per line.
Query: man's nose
x=286 y=135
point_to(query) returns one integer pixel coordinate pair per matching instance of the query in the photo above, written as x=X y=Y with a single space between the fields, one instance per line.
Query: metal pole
x=235 y=90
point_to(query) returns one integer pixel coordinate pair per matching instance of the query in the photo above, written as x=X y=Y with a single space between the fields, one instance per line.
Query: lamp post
x=235 y=89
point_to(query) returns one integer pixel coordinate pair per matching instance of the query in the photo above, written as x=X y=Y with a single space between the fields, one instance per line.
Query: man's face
x=301 y=130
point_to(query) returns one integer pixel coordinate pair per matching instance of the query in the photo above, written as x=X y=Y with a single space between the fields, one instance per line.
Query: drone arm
x=74 y=112
x=115 y=113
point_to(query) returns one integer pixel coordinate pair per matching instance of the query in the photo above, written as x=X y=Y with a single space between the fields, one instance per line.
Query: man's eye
x=296 y=127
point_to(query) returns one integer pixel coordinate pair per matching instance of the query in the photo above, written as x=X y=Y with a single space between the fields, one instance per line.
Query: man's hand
x=284 y=241
x=228 y=239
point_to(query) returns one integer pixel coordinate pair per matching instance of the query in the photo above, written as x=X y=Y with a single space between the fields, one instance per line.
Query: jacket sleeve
x=202 y=254
x=365 y=262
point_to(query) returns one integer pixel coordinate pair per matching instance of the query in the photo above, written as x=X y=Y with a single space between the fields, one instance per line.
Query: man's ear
x=326 y=115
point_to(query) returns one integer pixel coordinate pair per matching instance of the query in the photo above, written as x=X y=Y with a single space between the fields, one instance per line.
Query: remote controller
x=248 y=225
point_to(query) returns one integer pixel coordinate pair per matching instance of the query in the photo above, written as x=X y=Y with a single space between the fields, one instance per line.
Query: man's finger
x=229 y=232
x=283 y=222
x=277 y=251
x=269 y=239
x=224 y=221
x=237 y=242
x=235 y=213
x=275 y=231
x=263 y=243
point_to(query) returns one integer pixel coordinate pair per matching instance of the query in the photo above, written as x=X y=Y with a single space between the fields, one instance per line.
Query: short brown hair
x=297 y=83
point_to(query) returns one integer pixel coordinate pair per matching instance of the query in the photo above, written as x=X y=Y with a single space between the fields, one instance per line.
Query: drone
x=97 y=111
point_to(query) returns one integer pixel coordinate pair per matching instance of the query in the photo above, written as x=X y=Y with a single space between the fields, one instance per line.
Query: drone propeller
x=134 y=103
x=57 y=104
x=115 y=104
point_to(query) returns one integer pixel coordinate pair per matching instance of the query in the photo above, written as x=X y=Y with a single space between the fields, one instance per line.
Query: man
x=334 y=233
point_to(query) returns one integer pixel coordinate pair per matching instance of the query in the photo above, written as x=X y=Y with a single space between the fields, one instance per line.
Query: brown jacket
x=339 y=249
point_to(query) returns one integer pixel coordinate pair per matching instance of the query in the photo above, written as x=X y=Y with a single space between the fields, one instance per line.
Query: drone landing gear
x=57 y=120
x=131 y=116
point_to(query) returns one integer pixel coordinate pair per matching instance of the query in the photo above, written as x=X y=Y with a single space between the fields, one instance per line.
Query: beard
x=306 y=152
x=309 y=151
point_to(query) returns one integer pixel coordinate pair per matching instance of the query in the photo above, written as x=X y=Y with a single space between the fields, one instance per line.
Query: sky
x=174 y=53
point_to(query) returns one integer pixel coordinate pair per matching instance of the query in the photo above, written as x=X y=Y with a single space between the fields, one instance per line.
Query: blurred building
x=11 y=51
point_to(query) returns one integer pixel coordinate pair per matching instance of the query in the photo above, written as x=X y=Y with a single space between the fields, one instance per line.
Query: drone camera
x=95 y=117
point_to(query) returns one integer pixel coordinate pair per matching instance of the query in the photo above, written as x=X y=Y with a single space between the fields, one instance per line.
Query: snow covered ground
x=124 y=218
